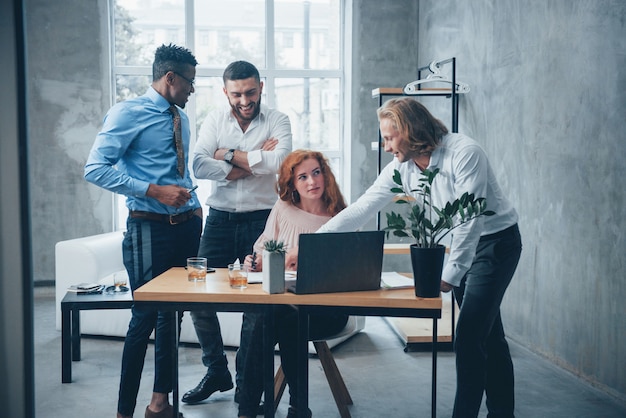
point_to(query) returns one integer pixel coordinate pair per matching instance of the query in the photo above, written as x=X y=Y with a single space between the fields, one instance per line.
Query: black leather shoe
x=292 y=413
x=207 y=386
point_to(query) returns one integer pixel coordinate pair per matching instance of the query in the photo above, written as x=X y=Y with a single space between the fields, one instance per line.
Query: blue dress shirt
x=136 y=148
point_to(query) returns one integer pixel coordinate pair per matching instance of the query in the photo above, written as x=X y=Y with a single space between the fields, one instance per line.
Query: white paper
x=394 y=280
x=257 y=276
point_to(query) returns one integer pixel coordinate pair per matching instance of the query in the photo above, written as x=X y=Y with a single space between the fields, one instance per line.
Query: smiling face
x=308 y=180
x=244 y=97
x=394 y=142
x=181 y=85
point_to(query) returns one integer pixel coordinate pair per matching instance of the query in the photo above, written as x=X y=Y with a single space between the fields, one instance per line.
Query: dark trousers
x=149 y=249
x=227 y=236
x=286 y=333
x=483 y=360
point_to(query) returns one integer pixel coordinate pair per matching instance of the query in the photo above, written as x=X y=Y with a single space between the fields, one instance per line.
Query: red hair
x=332 y=196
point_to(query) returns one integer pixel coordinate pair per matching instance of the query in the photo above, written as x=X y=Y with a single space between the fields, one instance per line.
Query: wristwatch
x=228 y=157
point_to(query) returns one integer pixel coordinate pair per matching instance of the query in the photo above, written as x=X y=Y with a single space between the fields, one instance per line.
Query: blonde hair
x=414 y=122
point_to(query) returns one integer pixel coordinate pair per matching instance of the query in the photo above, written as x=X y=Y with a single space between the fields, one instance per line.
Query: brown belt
x=170 y=219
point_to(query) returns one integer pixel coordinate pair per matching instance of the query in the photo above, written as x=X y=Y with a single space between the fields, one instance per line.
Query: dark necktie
x=178 y=141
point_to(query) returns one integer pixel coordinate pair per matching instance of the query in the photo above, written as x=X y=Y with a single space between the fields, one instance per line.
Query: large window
x=297 y=45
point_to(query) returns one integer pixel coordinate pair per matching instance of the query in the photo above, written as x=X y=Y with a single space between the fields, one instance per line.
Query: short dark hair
x=240 y=70
x=171 y=58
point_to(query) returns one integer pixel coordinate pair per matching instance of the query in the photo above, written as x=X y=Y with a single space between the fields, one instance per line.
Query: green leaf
x=274 y=246
x=397 y=178
x=463 y=199
x=420 y=218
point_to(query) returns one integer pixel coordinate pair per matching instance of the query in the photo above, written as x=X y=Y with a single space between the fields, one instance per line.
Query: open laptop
x=339 y=262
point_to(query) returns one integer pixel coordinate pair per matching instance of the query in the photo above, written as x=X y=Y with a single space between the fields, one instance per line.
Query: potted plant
x=428 y=225
x=273 y=266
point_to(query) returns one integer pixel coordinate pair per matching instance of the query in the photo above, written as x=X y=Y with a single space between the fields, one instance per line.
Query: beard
x=255 y=113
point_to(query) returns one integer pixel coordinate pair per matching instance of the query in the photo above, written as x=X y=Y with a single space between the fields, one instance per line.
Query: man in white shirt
x=483 y=252
x=240 y=149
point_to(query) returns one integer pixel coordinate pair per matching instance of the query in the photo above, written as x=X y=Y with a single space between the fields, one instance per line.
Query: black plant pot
x=427 y=267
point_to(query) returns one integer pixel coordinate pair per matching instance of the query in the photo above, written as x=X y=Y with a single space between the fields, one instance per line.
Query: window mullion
x=270 y=54
x=190 y=25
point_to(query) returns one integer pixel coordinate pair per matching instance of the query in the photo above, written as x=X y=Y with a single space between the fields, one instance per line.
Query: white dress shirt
x=464 y=167
x=220 y=129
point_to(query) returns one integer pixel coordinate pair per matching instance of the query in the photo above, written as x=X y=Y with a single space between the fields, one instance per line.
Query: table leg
x=175 y=336
x=75 y=333
x=433 y=401
x=303 y=362
x=66 y=346
x=268 y=360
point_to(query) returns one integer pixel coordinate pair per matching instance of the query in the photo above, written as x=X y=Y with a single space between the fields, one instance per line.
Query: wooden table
x=172 y=291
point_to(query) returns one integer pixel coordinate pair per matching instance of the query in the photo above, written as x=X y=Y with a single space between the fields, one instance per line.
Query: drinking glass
x=238 y=276
x=196 y=269
x=120 y=281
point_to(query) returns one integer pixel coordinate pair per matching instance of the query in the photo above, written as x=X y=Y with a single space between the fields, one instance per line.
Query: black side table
x=71 y=305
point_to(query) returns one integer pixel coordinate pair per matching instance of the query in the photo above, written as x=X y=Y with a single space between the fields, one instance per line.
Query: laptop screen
x=339 y=262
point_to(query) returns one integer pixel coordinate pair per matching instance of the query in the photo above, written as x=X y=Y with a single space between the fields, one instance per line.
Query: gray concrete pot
x=273 y=272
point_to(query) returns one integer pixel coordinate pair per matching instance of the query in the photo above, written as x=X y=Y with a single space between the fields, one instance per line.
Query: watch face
x=228 y=157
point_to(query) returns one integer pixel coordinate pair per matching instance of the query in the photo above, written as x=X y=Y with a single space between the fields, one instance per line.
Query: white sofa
x=96 y=258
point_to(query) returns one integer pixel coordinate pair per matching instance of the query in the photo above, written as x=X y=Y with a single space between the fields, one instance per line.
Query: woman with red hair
x=308 y=198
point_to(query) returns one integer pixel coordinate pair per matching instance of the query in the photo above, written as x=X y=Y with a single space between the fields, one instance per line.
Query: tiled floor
x=384 y=380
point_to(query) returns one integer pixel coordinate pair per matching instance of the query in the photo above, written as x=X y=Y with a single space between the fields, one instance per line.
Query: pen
x=254 y=260
x=193 y=188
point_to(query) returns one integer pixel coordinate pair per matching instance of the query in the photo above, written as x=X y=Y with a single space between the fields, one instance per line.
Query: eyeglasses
x=191 y=82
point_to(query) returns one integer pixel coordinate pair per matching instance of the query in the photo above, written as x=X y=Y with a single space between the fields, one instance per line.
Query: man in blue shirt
x=138 y=154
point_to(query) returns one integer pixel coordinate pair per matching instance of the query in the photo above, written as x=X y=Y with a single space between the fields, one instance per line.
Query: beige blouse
x=286 y=222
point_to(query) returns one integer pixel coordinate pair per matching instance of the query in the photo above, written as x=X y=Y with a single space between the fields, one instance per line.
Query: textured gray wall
x=67 y=99
x=547 y=102
x=384 y=52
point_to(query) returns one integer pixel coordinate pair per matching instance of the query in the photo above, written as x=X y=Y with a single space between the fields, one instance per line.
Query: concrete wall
x=67 y=99
x=545 y=102
x=384 y=38
x=547 y=82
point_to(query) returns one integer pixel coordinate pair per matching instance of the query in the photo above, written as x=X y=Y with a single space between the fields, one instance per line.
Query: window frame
x=269 y=74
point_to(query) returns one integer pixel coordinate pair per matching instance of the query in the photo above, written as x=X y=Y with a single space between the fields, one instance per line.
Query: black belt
x=179 y=218
x=501 y=234
x=255 y=215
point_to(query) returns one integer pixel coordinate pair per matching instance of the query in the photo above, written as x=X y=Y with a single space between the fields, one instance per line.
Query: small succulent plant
x=273 y=246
